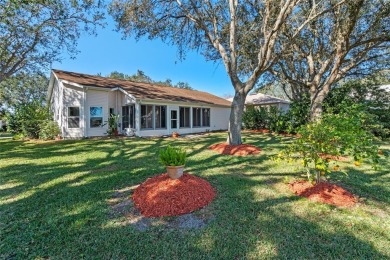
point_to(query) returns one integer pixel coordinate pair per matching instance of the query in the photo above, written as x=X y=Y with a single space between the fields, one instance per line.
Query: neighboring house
x=262 y=100
x=82 y=103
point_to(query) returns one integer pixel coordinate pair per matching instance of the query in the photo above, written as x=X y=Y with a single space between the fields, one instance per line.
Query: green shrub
x=48 y=130
x=277 y=120
x=368 y=93
x=28 y=120
x=173 y=156
x=264 y=118
x=255 y=118
x=298 y=114
x=336 y=135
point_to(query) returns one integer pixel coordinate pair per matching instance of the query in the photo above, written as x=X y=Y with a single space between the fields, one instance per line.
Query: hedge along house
x=82 y=103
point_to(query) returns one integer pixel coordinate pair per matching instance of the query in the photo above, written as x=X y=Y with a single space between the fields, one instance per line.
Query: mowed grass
x=5 y=134
x=54 y=204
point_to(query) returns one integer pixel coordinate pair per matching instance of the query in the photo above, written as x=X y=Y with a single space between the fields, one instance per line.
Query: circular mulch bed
x=161 y=196
x=240 y=150
x=323 y=192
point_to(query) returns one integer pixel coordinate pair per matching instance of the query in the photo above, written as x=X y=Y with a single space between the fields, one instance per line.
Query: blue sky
x=107 y=52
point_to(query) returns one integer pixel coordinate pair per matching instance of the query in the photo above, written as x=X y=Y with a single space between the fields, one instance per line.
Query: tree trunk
x=316 y=100
x=235 y=122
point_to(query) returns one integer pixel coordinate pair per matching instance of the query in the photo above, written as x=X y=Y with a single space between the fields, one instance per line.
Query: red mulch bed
x=333 y=157
x=239 y=150
x=323 y=192
x=264 y=131
x=161 y=196
x=287 y=134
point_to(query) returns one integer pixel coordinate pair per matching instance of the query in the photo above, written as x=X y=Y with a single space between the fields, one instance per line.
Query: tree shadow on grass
x=250 y=227
x=67 y=214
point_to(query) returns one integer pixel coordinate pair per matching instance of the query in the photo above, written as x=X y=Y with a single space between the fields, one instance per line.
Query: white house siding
x=73 y=97
x=57 y=104
x=96 y=98
x=219 y=118
x=112 y=101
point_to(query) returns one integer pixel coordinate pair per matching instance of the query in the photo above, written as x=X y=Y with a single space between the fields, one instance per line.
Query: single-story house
x=82 y=104
x=263 y=100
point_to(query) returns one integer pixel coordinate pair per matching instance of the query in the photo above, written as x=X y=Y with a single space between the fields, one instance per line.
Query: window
x=200 y=117
x=153 y=117
x=95 y=116
x=160 y=116
x=184 y=117
x=196 y=117
x=146 y=116
x=112 y=111
x=73 y=117
x=205 y=117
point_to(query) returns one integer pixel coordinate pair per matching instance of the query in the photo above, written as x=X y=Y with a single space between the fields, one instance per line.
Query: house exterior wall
x=97 y=98
x=72 y=97
x=56 y=104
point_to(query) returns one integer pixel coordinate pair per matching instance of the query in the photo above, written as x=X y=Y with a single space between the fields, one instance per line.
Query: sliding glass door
x=128 y=117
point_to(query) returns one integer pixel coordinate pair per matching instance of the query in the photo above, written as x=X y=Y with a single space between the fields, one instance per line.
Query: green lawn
x=5 y=134
x=54 y=204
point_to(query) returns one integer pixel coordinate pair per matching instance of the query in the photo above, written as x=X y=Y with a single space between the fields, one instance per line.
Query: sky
x=108 y=52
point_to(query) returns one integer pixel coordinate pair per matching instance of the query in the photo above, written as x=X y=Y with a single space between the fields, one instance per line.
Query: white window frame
x=90 y=117
x=68 y=116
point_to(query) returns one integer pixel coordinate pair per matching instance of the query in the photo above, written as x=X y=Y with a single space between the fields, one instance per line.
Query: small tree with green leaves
x=334 y=135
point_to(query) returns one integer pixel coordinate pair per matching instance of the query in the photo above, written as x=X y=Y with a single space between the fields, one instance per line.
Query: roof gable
x=143 y=91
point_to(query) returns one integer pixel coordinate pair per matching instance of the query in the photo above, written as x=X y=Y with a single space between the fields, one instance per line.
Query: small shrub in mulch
x=162 y=196
x=239 y=150
x=323 y=192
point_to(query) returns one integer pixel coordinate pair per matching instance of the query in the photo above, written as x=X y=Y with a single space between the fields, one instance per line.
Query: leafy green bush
x=48 y=130
x=277 y=120
x=334 y=135
x=29 y=119
x=255 y=118
x=298 y=114
x=173 y=156
x=374 y=100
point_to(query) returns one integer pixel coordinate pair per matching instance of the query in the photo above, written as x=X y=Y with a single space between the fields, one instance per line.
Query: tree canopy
x=351 y=40
x=222 y=30
x=34 y=33
x=140 y=76
x=23 y=88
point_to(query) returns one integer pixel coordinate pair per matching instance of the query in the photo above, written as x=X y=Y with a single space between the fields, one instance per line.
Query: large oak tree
x=352 y=40
x=224 y=30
